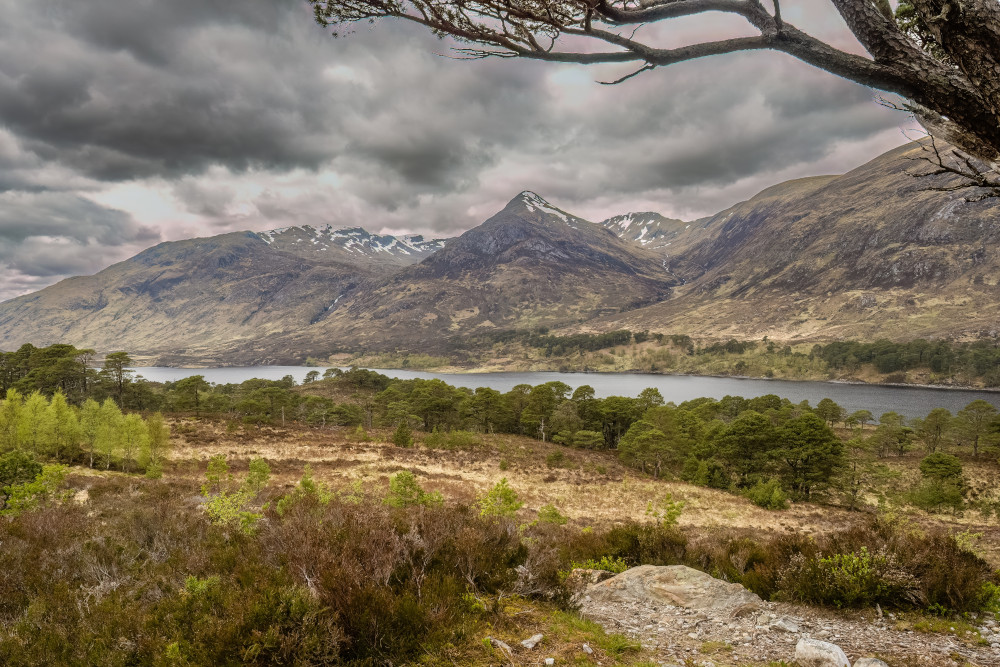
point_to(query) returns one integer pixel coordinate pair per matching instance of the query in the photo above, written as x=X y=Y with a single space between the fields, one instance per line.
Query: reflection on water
x=908 y=401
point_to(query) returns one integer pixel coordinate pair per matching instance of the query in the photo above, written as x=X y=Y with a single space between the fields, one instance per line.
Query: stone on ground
x=870 y=662
x=815 y=653
x=675 y=585
x=532 y=641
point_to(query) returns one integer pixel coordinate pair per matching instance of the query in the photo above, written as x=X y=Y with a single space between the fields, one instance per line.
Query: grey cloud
x=25 y=216
x=195 y=95
x=47 y=236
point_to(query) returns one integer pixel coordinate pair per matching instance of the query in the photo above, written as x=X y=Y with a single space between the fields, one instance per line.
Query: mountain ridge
x=861 y=255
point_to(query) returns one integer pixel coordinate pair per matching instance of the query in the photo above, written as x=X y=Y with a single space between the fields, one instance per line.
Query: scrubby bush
x=768 y=495
x=402 y=436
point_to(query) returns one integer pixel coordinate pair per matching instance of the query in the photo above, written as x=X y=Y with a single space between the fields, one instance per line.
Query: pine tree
x=402 y=437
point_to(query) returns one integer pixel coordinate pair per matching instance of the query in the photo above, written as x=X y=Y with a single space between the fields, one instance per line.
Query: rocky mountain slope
x=290 y=293
x=192 y=298
x=530 y=264
x=351 y=244
x=649 y=229
x=872 y=253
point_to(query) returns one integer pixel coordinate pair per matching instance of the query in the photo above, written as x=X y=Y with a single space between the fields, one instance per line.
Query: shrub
x=405 y=491
x=666 y=511
x=232 y=503
x=43 y=489
x=402 y=436
x=557 y=460
x=549 y=514
x=768 y=495
x=607 y=563
x=853 y=579
x=500 y=501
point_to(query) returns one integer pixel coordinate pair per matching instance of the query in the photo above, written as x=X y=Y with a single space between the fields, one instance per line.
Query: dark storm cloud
x=45 y=236
x=252 y=116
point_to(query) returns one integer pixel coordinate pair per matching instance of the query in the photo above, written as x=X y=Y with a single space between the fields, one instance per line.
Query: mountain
x=650 y=230
x=289 y=293
x=351 y=244
x=531 y=264
x=192 y=298
x=871 y=253
x=867 y=254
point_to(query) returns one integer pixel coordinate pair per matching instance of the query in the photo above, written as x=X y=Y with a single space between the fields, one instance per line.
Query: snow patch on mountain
x=355 y=240
x=648 y=229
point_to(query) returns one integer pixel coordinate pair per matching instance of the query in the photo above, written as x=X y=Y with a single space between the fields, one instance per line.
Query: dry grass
x=590 y=488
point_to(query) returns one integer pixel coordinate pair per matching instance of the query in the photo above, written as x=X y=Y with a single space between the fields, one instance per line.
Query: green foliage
x=607 y=563
x=16 y=468
x=307 y=490
x=501 y=501
x=28 y=496
x=232 y=504
x=405 y=491
x=549 y=514
x=768 y=495
x=665 y=511
x=402 y=436
x=588 y=440
x=941 y=466
x=855 y=579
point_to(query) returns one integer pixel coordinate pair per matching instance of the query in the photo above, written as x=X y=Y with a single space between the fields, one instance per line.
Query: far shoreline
x=451 y=370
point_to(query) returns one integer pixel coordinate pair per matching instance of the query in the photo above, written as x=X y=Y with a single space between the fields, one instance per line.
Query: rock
x=870 y=662
x=785 y=624
x=550 y=661
x=503 y=646
x=587 y=649
x=532 y=641
x=675 y=585
x=816 y=653
x=579 y=578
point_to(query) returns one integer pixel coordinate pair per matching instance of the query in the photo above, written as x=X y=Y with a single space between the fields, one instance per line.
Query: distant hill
x=871 y=253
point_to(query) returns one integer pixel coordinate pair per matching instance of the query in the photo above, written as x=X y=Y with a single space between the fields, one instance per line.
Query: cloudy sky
x=125 y=124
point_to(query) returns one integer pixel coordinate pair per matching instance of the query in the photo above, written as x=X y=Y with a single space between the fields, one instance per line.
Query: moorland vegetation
x=119 y=553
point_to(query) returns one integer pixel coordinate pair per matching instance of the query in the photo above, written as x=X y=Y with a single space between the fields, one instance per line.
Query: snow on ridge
x=532 y=201
x=355 y=240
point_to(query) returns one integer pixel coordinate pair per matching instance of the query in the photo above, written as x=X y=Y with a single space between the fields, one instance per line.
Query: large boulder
x=815 y=653
x=675 y=585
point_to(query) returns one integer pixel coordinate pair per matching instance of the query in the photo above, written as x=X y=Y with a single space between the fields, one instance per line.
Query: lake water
x=908 y=401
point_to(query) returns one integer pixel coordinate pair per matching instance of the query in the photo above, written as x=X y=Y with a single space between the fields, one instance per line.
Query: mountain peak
x=529 y=202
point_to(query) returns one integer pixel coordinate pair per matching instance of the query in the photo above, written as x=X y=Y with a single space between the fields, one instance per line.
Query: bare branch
x=954 y=162
x=644 y=68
